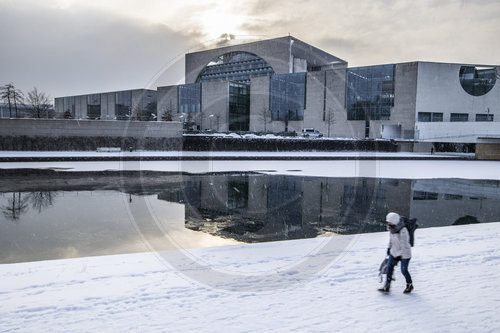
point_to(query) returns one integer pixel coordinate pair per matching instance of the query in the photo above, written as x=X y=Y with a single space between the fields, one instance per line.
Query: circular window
x=477 y=81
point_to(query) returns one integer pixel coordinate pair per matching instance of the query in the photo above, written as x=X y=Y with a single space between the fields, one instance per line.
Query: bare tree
x=18 y=97
x=41 y=200
x=67 y=115
x=195 y=120
x=150 y=111
x=168 y=111
x=6 y=95
x=16 y=206
x=136 y=112
x=38 y=103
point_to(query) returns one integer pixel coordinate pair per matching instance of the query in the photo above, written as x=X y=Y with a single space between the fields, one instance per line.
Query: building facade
x=286 y=85
x=138 y=104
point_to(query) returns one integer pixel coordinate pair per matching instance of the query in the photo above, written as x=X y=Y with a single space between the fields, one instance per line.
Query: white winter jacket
x=399 y=242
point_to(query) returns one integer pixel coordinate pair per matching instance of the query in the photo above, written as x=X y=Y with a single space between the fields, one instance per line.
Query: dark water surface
x=74 y=215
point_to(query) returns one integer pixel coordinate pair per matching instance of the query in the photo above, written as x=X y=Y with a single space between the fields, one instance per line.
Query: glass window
x=288 y=96
x=69 y=107
x=370 y=92
x=452 y=197
x=430 y=116
x=421 y=195
x=235 y=66
x=148 y=105
x=239 y=107
x=189 y=97
x=484 y=117
x=94 y=106
x=424 y=116
x=437 y=116
x=477 y=81
x=123 y=105
x=459 y=117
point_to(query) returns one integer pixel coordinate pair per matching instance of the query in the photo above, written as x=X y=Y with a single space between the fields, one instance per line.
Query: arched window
x=235 y=66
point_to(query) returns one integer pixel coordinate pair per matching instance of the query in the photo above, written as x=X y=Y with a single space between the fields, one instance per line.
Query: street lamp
x=211 y=117
x=181 y=119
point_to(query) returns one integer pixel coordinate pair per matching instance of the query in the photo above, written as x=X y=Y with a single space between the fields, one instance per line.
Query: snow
x=324 y=284
x=354 y=168
x=437 y=167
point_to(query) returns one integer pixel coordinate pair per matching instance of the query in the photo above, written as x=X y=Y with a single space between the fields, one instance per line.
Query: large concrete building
x=284 y=84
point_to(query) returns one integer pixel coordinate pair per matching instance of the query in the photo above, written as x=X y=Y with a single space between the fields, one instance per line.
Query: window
x=459 y=117
x=239 y=107
x=436 y=116
x=148 y=109
x=123 y=105
x=94 y=106
x=484 y=117
x=452 y=197
x=424 y=116
x=69 y=107
x=370 y=92
x=421 y=195
x=430 y=116
x=189 y=97
x=235 y=66
x=288 y=96
x=477 y=81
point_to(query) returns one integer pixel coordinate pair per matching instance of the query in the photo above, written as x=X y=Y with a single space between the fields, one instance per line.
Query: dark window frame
x=484 y=117
x=430 y=117
x=459 y=117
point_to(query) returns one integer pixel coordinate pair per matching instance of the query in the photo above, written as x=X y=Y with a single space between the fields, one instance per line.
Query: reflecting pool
x=86 y=214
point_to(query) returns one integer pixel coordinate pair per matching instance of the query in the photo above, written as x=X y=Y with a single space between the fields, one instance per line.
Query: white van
x=311 y=132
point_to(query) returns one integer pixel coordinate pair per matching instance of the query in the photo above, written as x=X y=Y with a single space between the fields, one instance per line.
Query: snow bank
x=323 y=284
x=408 y=169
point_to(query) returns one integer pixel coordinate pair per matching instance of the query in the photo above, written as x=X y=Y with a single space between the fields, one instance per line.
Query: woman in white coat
x=399 y=250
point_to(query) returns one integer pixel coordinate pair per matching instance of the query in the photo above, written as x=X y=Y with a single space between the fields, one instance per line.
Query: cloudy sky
x=69 y=47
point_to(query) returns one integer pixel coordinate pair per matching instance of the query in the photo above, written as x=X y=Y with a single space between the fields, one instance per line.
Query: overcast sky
x=70 y=47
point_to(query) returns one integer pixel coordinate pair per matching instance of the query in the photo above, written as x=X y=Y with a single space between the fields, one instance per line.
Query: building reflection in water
x=253 y=207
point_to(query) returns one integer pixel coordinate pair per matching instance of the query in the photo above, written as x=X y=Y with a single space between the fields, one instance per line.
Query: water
x=73 y=215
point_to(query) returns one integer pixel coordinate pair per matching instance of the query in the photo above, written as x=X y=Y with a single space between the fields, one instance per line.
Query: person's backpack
x=411 y=225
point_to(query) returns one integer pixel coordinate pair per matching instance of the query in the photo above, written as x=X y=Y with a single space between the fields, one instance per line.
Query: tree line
x=36 y=102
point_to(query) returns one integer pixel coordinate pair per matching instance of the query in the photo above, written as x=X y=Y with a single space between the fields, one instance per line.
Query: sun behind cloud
x=219 y=20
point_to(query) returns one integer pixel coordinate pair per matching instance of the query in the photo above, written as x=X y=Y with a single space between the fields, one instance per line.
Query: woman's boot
x=409 y=288
x=386 y=287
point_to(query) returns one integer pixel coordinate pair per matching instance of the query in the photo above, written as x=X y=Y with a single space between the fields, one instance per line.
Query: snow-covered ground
x=325 y=284
x=410 y=169
x=316 y=285
x=377 y=168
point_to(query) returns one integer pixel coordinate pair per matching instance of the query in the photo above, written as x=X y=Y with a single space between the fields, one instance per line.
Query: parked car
x=311 y=132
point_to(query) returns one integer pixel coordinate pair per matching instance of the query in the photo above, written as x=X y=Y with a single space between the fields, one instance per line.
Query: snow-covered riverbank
x=301 y=285
x=437 y=166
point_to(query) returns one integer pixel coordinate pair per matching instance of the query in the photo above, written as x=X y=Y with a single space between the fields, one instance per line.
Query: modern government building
x=286 y=85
